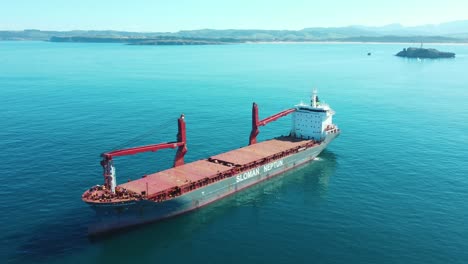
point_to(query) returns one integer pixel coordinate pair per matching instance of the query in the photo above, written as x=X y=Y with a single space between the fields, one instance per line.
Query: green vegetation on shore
x=160 y=40
x=390 y=33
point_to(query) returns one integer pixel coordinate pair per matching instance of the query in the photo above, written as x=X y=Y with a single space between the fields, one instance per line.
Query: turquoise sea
x=393 y=188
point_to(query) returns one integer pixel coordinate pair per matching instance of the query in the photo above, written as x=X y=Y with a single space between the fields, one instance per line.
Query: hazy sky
x=174 y=15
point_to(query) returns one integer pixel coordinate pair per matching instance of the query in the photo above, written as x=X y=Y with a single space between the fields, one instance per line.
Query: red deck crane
x=257 y=123
x=181 y=143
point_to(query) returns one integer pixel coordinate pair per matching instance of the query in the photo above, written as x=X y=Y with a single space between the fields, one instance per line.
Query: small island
x=424 y=53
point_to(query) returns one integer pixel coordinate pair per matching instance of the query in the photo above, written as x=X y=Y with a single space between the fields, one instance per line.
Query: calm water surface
x=391 y=189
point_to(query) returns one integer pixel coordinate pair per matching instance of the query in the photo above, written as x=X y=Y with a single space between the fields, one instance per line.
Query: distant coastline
x=164 y=40
x=236 y=36
x=354 y=42
x=175 y=40
x=146 y=41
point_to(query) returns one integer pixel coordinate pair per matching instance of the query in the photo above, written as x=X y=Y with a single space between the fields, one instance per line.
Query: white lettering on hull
x=247 y=175
x=255 y=172
x=273 y=165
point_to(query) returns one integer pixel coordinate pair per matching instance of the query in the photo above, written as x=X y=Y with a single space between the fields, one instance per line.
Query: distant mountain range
x=456 y=32
x=449 y=29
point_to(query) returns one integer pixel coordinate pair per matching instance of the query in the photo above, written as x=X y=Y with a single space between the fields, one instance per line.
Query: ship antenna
x=313 y=100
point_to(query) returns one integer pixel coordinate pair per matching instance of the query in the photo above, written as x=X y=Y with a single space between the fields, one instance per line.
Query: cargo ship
x=188 y=186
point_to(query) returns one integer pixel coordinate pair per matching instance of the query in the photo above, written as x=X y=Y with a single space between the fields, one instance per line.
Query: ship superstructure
x=189 y=186
x=312 y=121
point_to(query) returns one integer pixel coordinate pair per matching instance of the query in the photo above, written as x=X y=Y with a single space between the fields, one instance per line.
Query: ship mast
x=313 y=99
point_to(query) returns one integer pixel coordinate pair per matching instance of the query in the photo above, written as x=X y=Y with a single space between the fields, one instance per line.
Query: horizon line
x=270 y=29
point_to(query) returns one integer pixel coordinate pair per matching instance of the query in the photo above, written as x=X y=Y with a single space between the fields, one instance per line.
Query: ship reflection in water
x=312 y=177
